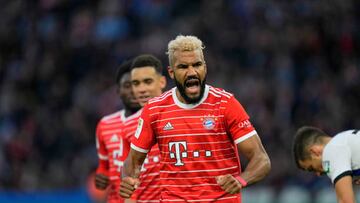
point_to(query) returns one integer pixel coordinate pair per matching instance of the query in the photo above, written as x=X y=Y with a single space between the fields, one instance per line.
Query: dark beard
x=189 y=100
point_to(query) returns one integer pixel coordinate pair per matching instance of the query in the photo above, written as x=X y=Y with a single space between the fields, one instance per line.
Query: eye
x=198 y=64
x=182 y=66
x=148 y=81
x=135 y=83
x=127 y=85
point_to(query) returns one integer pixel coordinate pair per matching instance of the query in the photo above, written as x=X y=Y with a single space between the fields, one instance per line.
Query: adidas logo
x=114 y=138
x=168 y=126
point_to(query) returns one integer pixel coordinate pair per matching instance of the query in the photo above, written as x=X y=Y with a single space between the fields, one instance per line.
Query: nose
x=141 y=88
x=191 y=71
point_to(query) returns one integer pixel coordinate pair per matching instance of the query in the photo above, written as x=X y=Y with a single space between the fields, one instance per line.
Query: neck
x=326 y=140
x=180 y=98
x=129 y=112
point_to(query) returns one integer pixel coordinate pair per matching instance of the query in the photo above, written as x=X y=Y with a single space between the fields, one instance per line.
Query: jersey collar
x=190 y=106
x=124 y=119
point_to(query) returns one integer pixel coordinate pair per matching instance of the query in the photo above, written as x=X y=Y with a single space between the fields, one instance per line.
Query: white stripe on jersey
x=196 y=171
x=106 y=132
x=197 y=109
x=213 y=150
x=114 y=177
x=195 y=143
x=214 y=94
x=191 y=134
x=201 y=200
x=193 y=129
x=182 y=117
x=163 y=106
x=116 y=125
x=103 y=157
x=139 y=149
x=223 y=92
x=150 y=174
x=160 y=98
x=113 y=116
x=193 y=185
x=179 y=124
x=194 y=177
x=200 y=161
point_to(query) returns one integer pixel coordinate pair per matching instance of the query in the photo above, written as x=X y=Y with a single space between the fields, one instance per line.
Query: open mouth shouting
x=192 y=86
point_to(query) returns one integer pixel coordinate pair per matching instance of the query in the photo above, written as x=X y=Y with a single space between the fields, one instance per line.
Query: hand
x=101 y=181
x=229 y=183
x=128 y=186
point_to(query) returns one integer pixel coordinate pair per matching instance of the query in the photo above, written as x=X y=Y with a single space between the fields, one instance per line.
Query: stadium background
x=289 y=62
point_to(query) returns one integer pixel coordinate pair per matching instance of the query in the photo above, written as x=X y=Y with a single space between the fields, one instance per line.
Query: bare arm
x=259 y=163
x=344 y=190
x=133 y=163
x=131 y=172
x=257 y=168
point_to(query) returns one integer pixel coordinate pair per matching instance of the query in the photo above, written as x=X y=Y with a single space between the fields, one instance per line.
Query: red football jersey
x=197 y=143
x=112 y=143
x=149 y=177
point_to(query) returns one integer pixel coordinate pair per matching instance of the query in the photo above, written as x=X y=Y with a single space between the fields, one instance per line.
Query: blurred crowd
x=289 y=63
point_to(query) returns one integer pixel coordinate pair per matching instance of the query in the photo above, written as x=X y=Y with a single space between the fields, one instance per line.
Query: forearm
x=344 y=190
x=258 y=167
x=133 y=163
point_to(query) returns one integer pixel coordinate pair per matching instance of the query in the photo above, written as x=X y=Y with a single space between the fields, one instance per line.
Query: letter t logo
x=178 y=154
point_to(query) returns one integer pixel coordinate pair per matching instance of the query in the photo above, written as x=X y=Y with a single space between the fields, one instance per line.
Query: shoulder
x=113 y=117
x=219 y=92
x=340 y=139
x=164 y=98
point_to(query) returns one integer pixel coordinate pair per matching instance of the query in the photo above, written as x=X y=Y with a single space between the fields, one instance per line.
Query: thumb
x=220 y=179
x=136 y=183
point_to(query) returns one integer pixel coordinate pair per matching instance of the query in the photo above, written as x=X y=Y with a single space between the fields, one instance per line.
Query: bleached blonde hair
x=184 y=43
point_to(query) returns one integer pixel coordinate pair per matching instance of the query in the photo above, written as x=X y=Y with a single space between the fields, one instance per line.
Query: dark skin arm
x=131 y=172
x=258 y=167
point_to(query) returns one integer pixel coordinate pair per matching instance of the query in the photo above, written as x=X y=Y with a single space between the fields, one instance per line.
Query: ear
x=316 y=150
x=171 y=72
x=118 y=89
x=162 y=82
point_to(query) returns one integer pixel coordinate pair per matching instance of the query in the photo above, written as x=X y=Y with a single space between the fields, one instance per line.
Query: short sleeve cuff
x=136 y=148
x=246 y=136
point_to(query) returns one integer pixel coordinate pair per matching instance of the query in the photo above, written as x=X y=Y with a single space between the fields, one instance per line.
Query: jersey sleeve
x=103 y=166
x=237 y=120
x=336 y=162
x=144 y=137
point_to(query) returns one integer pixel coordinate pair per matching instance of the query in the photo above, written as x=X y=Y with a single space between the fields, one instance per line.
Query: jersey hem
x=343 y=174
x=246 y=136
x=139 y=149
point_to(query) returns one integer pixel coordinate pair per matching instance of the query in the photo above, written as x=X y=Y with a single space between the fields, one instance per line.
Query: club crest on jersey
x=326 y=166
x=209 y=123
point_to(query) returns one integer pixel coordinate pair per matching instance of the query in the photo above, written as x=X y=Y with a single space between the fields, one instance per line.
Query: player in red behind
x=198 y=129
x=112 y=139
x=148 y=82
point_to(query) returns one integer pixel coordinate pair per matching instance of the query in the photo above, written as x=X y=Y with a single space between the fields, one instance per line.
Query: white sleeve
x=336 y=162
